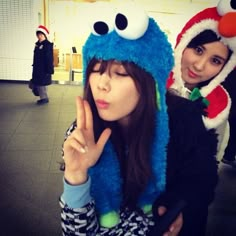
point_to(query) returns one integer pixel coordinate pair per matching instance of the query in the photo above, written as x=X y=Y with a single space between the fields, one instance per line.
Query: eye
x=101 y=19
x=198 y=50
x=217 y=61
x=131 y=22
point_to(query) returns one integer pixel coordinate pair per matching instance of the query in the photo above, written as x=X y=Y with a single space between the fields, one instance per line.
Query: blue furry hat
x=126 y=33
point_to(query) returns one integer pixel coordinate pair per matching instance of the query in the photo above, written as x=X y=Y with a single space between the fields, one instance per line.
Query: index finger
x=80 y=113
x=88 y=116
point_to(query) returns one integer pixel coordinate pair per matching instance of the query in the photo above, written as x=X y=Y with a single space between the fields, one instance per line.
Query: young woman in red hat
x=205 y=54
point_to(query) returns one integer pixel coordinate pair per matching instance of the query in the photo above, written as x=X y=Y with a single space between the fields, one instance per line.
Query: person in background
x=126 y=162
x=43 y=67
x=203 y=59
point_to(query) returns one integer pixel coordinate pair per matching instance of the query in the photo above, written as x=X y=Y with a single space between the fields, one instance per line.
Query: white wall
x=18 y=22
x=68 y=25
x=171 y=15
x=68 y=18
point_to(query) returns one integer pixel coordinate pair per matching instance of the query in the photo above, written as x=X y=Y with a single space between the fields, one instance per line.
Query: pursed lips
x=191 y=74
x=101 y=104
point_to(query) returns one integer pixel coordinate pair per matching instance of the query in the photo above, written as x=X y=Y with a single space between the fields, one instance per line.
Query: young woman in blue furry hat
x=115 y=158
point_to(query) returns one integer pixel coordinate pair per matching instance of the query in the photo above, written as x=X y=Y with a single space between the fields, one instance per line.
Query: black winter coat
x=191 y=164
x=43 y=63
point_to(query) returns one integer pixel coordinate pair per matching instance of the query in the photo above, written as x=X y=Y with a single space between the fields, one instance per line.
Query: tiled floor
x=30 y=149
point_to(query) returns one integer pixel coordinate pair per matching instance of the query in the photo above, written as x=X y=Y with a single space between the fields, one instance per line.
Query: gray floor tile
x=31 y=142
x=4 y=141
x=8 y=127
x=29 y=127
x=11 y=115
x=67 y=117
x=43 y=114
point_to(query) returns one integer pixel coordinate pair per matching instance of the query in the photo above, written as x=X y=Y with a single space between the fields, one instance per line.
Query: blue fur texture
x=154 y=54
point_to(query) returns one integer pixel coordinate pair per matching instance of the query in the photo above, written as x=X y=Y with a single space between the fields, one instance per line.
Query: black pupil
x=121 y=21
x=233 y=4
x=101 y=28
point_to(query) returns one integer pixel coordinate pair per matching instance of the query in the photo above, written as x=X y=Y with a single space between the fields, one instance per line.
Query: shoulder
x=186 y=122
x=47 y=44
x=182 y=110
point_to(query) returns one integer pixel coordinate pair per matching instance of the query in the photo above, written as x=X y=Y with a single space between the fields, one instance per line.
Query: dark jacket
x=192 y=166
x=43 y=63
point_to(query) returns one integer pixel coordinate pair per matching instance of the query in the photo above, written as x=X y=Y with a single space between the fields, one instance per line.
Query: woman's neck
x=124 y=130
x=190 y=86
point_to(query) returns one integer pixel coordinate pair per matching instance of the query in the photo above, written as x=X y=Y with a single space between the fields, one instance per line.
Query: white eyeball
x=131 y=21
x=101 y=19
x=226 y=6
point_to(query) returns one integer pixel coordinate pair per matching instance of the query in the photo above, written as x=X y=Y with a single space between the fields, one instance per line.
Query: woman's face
x=114 y=92
x=41 y=37
x=203 y=62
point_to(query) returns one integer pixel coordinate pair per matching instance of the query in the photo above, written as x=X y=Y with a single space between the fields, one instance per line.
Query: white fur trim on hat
x=211 y=123
x=43 y=29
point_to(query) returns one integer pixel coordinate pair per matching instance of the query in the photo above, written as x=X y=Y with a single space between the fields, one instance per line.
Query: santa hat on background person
x=221 y=20
x=43 y=30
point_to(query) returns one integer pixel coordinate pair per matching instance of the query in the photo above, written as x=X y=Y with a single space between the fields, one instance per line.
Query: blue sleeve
x=76 y=196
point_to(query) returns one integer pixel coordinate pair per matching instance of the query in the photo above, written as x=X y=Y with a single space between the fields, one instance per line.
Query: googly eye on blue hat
x=126 y=24
x=125 y=32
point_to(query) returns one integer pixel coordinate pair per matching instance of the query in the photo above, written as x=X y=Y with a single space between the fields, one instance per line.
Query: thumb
x=103 y=138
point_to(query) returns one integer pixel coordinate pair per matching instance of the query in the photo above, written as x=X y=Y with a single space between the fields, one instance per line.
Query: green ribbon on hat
x=196 y=94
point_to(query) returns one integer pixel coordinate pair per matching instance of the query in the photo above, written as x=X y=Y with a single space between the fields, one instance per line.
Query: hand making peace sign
x=80 y=150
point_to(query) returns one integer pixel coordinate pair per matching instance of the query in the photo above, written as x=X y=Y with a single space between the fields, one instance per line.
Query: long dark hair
x=134 y=156
x=206 y=36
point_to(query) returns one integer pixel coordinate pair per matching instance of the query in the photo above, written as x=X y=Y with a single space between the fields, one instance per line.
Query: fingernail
x=172 y=229
x=86 y=148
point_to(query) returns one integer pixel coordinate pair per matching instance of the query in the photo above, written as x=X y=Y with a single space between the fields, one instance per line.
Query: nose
x=104 y=82
x=199 y=64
